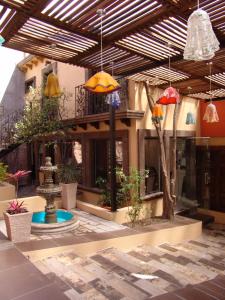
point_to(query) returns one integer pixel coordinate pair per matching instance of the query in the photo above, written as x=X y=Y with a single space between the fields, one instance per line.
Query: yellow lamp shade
x=102 y=82
x=157 y=113
x=52 y=88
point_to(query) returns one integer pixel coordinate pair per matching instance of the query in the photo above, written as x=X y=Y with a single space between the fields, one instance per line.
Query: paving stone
x=190 y=293
x=108 y=291
x=167 y=247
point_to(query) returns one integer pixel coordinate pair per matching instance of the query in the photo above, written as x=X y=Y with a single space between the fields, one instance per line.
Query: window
x=153 y=182
x=71 y=153
x=101 y=158
x=30 y=83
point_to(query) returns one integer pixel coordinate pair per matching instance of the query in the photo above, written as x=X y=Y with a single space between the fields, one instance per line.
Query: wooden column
x=112 y=158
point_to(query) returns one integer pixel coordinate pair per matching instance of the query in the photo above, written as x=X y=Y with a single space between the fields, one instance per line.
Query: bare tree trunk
x=168 y=203
x=174 y=157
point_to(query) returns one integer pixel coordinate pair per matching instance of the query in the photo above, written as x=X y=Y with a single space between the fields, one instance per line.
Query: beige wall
x=69 y=76
x=139 y=102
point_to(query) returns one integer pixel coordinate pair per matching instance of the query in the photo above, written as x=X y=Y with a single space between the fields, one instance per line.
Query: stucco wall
x=13 y=98
x=139 y=102
x=69 y=76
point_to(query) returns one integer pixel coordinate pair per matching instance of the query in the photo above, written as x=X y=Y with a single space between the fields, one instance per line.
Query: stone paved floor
x=88 y=224
x=191 y=270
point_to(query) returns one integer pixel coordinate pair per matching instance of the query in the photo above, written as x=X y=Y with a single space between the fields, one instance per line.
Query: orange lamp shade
x=102 y=82
x=157 y=113
x=52 y=88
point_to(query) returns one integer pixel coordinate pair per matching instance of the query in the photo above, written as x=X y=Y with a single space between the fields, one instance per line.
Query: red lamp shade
x=169 y=96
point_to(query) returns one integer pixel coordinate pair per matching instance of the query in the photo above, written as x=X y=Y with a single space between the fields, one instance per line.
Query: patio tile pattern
x=20 y=279
x=190 y=270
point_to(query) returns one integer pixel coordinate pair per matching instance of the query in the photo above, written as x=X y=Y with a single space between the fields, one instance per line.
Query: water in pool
x=62 y=216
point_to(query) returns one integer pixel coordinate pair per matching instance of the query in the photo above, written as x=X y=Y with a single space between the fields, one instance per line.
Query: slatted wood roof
x=136 y=34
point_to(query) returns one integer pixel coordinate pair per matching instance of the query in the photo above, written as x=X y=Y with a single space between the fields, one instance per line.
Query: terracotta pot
x=69 y=195
x=18 y=226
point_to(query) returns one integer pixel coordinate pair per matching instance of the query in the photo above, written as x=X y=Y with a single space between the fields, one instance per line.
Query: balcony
x=87 y=103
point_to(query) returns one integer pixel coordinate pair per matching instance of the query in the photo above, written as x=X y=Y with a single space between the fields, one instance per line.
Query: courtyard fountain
x=51 y=220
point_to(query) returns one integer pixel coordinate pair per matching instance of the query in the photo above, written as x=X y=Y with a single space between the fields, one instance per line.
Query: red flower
x=19 y=174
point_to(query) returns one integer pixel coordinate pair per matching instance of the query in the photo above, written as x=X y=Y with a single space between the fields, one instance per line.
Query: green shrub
x=3 y=172
x=68 y=173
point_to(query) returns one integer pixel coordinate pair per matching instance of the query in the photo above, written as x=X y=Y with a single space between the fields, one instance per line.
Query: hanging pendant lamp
x=101 y=82
x=202 y=42
x=169 y=96
x=2 y=40
x=113 y=99
x=157 y=113
x=52 y=88
x=190 y=119
x=211 y=115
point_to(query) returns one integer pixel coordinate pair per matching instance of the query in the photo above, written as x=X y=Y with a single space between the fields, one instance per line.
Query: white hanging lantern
x=202 y=42
x=211 y=115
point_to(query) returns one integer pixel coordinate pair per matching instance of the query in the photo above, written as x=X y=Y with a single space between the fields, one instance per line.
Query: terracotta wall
x=213 y=129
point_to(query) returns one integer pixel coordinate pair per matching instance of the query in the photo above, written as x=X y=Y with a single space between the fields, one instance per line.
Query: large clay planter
x=69 y=195
x=18 y=226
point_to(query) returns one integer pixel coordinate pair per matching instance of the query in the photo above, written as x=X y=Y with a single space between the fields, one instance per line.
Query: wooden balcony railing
x=87 y=103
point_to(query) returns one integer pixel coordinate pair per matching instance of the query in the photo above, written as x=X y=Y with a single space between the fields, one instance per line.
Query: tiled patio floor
x=191 y=270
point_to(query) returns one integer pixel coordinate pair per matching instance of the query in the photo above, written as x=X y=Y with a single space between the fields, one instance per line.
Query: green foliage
x=3 y=172
x=68 y=173
x=106 y=195
x=130 y=189
x=42 y=115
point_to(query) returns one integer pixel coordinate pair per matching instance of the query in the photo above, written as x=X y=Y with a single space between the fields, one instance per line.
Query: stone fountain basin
x=67 y=221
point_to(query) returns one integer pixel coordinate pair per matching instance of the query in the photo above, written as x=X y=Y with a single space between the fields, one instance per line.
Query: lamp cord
x=101 y=45
x=198 y=4
x=169 y=63
x=210 y=81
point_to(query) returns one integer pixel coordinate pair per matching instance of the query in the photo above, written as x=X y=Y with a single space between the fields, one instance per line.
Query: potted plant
x=68 y=177
x=17 y=217
x=18 y=222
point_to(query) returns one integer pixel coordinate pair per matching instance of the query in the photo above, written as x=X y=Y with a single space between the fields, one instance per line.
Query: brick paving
x=191 y=270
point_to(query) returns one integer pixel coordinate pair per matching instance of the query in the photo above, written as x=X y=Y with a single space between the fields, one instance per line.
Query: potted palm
x=68 y=177
x=17 y=217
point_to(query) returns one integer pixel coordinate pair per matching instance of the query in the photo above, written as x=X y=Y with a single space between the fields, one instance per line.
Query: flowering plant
x=16 y=207
x=16 y=176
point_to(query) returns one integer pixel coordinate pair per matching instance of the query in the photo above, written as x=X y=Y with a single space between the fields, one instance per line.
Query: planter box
x=69 y=195
x=18 y=226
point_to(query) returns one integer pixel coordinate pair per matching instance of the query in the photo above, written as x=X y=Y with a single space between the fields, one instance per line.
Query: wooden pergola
x=135 y=37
